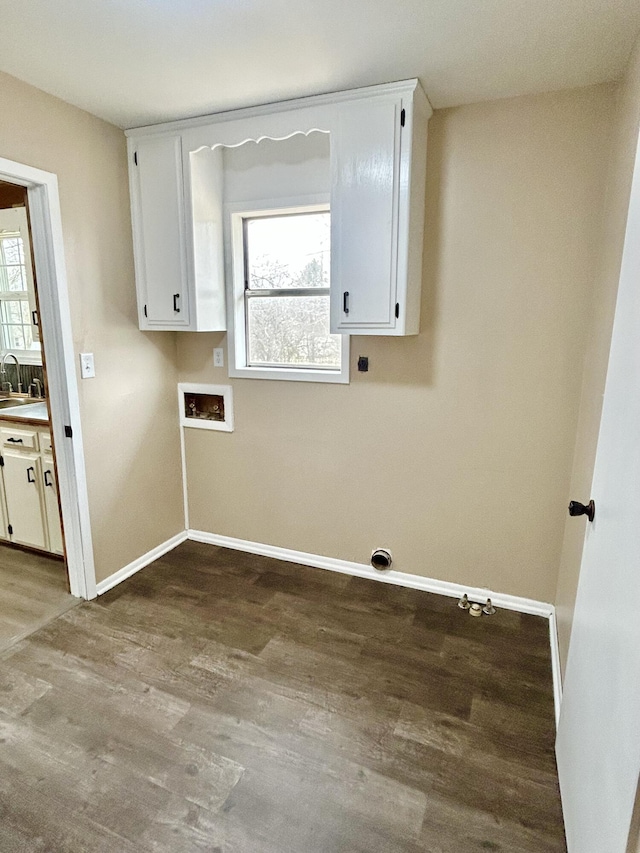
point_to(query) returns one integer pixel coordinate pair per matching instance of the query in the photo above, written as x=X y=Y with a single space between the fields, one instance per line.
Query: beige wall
x=128 y=411
x=625 y=123
x=455 y=449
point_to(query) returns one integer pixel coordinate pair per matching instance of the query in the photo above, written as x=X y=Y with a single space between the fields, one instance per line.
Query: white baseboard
x=126 y=572
x=362 y=570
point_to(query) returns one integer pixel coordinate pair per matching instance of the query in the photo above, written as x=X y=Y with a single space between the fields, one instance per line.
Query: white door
x=598 y=745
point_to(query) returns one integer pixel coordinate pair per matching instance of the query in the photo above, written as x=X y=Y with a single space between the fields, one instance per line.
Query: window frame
x=26 y=356
x=235 y=254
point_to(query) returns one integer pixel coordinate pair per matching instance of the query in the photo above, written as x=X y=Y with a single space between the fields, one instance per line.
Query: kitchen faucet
x=3 y=372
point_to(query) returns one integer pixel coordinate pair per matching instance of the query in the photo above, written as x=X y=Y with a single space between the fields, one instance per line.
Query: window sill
x=291 y=374
x=24 y=356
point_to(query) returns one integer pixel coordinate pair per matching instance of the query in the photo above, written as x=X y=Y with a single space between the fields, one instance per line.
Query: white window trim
x=24 y=356
x=234 y=261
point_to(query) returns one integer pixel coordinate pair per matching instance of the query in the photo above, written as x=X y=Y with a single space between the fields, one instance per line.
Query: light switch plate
x=218 y=357
x=87 y=367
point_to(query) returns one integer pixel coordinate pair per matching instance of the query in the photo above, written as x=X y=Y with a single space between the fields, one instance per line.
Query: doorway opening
x=45 y=539
x=34 y=582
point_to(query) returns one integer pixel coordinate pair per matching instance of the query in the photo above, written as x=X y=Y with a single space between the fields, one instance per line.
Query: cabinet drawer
x=46 y=445
x=19 y=439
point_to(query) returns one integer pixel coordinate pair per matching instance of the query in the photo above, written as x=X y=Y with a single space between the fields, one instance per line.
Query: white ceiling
x=137 y=62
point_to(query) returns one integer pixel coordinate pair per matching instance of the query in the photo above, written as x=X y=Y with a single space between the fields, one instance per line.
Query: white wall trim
x=154 y=554
x=556 y=668
x=64 y=401
x=185 y=490
x=362 y=570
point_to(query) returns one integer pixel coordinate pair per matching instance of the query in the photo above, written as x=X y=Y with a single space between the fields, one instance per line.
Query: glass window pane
x=16 y=278
x=8 y=278
x=13 y=311
x=16 y=337
x=292 y=331
x=13 y=250
x=288 y=251
x=12 y=268
x=27 y=331
x=26 y=312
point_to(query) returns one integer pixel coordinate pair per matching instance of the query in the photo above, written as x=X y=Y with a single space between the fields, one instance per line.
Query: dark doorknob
x=576 y=508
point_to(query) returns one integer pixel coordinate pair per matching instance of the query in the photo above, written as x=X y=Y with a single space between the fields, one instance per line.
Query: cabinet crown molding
x=363 y=93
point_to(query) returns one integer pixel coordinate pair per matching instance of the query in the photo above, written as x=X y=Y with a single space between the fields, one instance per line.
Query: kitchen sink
x=9 y=402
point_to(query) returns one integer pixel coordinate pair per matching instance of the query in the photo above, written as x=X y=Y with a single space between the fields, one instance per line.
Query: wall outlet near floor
x=87 y=367
x=218 y=357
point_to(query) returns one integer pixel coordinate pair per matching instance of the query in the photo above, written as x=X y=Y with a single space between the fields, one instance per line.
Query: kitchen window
x=16 y=331
x=281 y=274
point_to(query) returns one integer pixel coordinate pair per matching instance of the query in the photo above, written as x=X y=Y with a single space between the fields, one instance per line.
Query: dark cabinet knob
x=576 y=508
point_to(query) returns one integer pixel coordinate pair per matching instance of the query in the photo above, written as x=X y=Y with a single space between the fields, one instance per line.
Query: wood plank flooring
x=224 y=702
x=33 y=589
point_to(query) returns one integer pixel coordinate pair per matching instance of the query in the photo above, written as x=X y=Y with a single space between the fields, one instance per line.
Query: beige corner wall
x=128 y=411
x=455 y=449
x=625 y=124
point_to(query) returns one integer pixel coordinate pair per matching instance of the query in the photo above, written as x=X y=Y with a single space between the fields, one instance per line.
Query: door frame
x=64 y=400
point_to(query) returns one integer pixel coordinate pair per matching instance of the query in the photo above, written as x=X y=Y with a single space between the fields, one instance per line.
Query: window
x=16 y=331
x=281 y=271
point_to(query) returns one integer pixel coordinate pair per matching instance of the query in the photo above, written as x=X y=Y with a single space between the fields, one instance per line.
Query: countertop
x=30 y=413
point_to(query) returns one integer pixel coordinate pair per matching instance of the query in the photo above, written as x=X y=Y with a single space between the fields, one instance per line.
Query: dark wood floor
x=33 y=589
x=229 y=703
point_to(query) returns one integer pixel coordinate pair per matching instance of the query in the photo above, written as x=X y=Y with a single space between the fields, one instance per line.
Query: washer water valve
x=476 y=609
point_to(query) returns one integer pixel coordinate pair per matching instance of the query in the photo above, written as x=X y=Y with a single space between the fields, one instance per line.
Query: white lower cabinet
x=22 y=474
x=30 y=513
x=51 y=505
x=4 y=524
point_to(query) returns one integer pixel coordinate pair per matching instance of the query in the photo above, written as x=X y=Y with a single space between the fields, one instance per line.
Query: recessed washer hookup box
x=206 y=406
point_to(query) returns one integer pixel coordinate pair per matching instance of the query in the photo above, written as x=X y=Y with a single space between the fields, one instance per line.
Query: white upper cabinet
x=378 y=139
x=157 y=200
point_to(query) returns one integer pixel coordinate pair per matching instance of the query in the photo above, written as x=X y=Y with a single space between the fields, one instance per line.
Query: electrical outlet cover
x=87 y=366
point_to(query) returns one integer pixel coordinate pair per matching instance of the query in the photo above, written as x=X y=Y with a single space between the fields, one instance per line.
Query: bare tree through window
x=287 y=291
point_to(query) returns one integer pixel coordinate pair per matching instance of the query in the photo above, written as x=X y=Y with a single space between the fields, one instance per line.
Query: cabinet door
x=23 y=490
x=364 y=216
x=4 y=531
x=159 y=232
x=51 y=504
